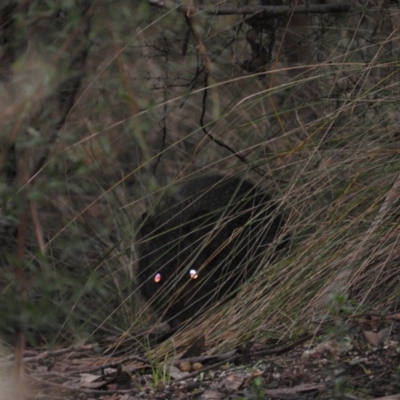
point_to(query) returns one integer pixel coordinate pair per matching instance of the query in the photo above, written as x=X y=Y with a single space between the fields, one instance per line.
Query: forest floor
x=362 y=365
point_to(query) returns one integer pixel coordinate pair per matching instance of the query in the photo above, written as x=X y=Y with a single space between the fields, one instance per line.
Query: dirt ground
x=361 y=364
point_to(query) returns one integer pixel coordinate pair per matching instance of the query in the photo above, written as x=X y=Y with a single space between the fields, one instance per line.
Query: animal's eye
x=193 y=274
x=157 y=277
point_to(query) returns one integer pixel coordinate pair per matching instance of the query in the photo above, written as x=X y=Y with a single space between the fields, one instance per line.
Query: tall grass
x=320 y=137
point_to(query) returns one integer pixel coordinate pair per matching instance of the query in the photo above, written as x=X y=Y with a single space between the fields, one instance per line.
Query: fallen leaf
x=372 y=338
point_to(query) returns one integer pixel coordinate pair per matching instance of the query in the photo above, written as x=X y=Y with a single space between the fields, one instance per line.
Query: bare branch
x=272 y=11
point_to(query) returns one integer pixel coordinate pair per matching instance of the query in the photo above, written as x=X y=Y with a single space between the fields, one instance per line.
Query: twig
x=71 y=388
x=51 y=353
x=214 y=139
x=206 y=358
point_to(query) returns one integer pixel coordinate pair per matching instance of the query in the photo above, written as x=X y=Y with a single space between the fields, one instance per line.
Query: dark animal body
x=203 y=244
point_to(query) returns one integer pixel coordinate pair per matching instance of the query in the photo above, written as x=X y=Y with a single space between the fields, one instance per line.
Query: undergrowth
x=103 y=116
